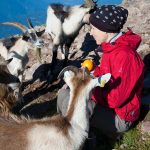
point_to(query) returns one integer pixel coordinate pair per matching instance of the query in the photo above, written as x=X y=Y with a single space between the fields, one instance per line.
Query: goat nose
x=41 y=42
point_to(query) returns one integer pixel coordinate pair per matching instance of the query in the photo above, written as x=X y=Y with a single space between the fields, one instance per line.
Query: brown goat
x=7 y=100
x=9 y=85
x=54 y=133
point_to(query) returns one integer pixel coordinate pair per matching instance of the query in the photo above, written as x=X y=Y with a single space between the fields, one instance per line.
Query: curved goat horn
x=72 y=68
x=30 y=23
x=15 y=24
x=31 y=26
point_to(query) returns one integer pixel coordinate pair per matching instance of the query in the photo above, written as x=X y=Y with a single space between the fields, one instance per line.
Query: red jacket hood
x=129 y=39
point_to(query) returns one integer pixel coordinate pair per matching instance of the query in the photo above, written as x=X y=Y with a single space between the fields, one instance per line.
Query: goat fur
x=18 y=48
x=63 y=25
x=9 y=88
x=58 y=132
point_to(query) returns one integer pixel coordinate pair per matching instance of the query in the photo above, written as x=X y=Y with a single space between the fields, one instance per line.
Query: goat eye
x=10 y=89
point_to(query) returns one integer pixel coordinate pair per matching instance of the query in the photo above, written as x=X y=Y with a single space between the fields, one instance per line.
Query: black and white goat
x=58 y=132
x=63 y=25
x=19 y=47
x=9 y=88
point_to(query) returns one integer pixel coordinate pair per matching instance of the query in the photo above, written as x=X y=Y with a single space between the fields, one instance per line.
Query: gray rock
x=145 y=127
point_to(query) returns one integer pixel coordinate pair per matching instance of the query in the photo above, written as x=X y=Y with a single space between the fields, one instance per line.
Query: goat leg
x=54 y=57
x=50 y=74
x=66 y=53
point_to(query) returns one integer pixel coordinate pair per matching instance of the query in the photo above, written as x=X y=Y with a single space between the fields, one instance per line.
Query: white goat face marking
x=39 y=43
x=14 y=86
x=36 y=42
x=68 y=75
x=34 y=39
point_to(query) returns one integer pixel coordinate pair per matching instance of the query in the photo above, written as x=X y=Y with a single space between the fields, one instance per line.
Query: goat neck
x=79 y=95
x=20 y=47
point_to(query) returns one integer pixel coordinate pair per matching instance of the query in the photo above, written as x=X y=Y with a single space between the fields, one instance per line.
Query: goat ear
x=9 y=60
x=25 y=36
x=40 y=33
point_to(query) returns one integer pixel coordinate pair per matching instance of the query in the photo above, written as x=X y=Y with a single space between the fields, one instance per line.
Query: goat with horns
x=18 y=50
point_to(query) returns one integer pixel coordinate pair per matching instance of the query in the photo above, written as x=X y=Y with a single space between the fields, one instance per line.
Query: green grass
x=133 y=140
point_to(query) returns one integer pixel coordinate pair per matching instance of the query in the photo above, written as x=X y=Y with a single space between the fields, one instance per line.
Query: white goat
x=58 y=132
x=63 y=25
x=19 y=47
x=9 y=88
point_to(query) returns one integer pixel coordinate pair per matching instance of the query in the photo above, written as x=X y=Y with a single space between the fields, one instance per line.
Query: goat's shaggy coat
x=7 y=100
x=9 y=88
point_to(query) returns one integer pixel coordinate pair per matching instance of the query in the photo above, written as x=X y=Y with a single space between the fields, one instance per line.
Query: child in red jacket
x=117 y=104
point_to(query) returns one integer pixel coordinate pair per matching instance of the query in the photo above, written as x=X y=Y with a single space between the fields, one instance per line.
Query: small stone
x=123 y=146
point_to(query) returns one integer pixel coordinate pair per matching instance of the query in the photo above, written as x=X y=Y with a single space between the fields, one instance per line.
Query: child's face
x=98 y=35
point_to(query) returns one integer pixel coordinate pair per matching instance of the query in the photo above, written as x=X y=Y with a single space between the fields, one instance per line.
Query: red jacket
x=123 y=92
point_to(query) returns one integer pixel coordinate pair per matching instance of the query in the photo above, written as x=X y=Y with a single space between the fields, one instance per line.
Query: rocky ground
x=139 y=21
x=40 y=96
